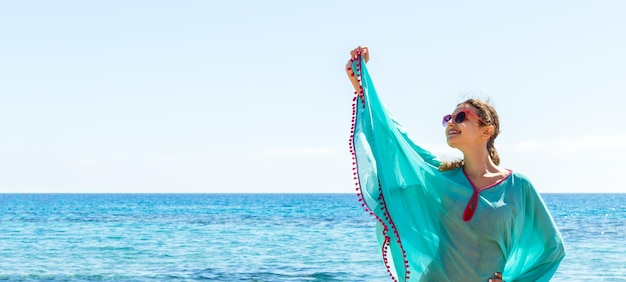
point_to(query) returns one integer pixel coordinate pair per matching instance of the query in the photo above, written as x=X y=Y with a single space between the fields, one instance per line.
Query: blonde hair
x=489 y=116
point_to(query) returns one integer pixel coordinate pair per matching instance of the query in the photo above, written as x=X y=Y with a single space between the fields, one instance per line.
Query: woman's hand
x=497 y=278
x=363 y=51
x=354 y=54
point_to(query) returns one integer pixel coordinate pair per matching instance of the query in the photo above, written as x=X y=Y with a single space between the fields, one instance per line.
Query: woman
x=468 y=220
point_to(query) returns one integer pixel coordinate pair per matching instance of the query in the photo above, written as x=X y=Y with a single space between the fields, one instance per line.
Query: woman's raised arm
x=354 y=54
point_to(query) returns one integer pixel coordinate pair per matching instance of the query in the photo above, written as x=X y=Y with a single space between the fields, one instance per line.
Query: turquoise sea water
x=249 y=237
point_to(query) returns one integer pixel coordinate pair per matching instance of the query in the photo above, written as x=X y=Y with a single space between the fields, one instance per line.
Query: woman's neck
x=478 y=164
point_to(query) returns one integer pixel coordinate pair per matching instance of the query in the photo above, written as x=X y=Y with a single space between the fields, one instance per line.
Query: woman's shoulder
x=522 y=184
x=520 y=179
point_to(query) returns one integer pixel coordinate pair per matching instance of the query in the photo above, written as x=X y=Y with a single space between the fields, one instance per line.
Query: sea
x=250 y=237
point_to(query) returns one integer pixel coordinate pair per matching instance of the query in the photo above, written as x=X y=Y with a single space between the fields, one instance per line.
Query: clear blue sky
x=251 y=96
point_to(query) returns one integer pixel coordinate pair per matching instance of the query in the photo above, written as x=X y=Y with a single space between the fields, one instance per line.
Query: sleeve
x=394 y=177
x=537 y=246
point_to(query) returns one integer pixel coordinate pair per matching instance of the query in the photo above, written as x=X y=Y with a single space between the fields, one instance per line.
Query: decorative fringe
x=381 y=199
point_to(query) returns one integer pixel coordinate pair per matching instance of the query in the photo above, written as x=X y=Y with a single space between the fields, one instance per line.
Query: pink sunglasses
x=460 y=117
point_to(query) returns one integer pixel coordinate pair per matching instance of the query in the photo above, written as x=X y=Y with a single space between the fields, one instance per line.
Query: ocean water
x=249 y=237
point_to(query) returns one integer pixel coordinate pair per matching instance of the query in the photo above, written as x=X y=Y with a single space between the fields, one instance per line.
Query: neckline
x=470 y=209
x=509 y=173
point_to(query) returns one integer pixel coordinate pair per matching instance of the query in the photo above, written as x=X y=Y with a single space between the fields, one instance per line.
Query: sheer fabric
x=420 y=209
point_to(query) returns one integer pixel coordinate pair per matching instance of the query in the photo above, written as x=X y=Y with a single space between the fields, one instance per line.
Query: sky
x=252 y=97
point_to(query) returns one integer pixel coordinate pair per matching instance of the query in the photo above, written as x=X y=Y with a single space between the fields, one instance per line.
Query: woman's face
x=463 y=127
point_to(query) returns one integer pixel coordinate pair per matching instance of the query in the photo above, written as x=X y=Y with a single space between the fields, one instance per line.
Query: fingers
x=355 y=53
x=498 y=278
x=366 y=54
x=360 y=50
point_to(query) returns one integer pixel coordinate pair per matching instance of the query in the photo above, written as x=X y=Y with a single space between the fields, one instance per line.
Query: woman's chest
x=494 y=211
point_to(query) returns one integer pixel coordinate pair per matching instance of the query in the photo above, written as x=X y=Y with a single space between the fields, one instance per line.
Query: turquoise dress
x=434 y=225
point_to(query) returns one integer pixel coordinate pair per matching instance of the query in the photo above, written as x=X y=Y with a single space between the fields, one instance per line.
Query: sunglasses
x=460 y=117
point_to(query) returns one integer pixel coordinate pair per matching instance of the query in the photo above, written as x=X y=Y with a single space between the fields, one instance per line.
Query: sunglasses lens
x=446 y=119
x=460 y=117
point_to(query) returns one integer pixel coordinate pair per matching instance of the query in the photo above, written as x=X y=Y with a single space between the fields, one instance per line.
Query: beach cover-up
x=434 y=225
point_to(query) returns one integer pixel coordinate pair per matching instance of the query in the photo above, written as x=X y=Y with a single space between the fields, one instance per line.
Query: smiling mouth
x=453 y=132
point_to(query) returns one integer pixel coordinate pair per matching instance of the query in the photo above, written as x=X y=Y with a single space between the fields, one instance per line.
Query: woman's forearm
x=352 y=77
